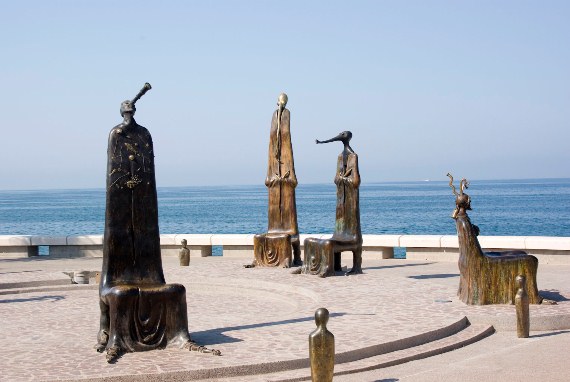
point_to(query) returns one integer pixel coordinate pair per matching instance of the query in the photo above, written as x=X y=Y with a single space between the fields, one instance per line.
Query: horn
x=451 y=184
x=142 y=92
x=463 y=185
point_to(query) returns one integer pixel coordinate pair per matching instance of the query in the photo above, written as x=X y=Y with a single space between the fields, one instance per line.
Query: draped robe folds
x=322 y=256
x=282 y=210
x=138 y=310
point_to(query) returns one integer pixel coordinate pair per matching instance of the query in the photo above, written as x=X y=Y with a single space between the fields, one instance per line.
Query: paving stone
x=252 y=315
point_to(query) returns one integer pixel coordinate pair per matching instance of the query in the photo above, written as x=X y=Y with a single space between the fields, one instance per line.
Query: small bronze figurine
x=487 y=277
x=521 y=304
x=139 y=311
x=184 y=254
x=322 y=256
x=321 y=349
x=274 y=247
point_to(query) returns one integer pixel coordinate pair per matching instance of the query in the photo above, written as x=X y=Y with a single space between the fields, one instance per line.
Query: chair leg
x=297 y=262
x=356 y=262
x=337 y=262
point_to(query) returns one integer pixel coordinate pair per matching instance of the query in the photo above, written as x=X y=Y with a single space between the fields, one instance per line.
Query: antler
x=463 y=185
x=451 y=184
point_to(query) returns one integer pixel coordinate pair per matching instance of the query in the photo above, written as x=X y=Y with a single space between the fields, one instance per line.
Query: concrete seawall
x=548 y=250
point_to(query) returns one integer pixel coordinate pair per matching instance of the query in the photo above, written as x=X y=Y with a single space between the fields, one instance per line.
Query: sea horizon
x=526 y=207
x=389 y=182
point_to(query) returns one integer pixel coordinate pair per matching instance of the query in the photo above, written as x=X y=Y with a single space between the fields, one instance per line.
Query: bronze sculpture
x=488 y=278
x=139 y=311
x=274 y=247
x=322 y=256
x=184 y=254
x=321 y=349
x=522 y=308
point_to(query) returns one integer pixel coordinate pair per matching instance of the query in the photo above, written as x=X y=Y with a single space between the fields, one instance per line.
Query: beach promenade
x=400 y=321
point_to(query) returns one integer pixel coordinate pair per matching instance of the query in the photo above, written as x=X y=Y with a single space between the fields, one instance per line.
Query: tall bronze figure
x=322 y=256
x=274 y=247
x=488 y=277
x=139 y=311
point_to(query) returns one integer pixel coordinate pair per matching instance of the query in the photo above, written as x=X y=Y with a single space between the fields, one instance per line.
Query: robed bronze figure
x=488 y=277
x=274 y=247
x=139 y=311
x=322 y=256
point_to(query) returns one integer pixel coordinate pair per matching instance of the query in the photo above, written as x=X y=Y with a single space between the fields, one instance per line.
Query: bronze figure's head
x=128 y=106
x=462 y=200
x=282 y=100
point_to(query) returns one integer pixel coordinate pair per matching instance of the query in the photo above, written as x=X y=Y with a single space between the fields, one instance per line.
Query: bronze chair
x=488 y=277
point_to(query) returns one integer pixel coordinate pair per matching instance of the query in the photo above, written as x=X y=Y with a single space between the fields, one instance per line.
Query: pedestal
x=272 y=250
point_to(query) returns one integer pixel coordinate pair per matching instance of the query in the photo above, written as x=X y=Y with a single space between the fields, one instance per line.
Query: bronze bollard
x=521 y=304
x=321 y=349
x=184 y=254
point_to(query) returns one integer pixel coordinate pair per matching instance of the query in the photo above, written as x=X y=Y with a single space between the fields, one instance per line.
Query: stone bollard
x=521 y=304
x=184 y=254
x=81 y=277
x=321 y=349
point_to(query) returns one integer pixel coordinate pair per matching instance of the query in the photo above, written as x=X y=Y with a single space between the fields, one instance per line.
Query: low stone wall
x=549 y=250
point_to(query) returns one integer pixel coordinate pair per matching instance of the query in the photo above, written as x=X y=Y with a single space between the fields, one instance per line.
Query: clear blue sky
x=478 y=88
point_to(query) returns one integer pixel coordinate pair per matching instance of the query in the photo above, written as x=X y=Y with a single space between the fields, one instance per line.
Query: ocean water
x=514 y=207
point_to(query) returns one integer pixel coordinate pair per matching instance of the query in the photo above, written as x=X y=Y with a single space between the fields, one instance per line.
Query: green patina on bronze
x=488 y=277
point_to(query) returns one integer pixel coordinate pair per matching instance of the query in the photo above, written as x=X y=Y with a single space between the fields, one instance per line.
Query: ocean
x=536 y=207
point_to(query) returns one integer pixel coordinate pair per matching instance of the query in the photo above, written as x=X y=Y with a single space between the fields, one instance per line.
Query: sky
x=481 y=88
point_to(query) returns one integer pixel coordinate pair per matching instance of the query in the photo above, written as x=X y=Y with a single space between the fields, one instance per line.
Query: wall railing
x=549 y=250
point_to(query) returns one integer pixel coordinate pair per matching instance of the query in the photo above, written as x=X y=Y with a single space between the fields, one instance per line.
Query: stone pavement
x=259 y=318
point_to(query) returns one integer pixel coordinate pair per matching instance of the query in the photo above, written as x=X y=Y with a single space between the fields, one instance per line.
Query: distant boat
x=426 y=180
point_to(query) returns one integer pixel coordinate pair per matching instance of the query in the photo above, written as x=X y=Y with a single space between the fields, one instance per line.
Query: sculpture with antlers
x=487 y=277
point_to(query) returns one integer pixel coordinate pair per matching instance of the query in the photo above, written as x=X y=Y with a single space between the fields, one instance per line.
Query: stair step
x=469 y=335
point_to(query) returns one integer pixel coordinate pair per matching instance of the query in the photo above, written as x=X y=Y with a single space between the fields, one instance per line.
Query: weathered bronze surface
x=488 y=278
x=274 y=247
x=139 y=311
x=521 y=305
x=184 y=254
x=321 y=349
x=322 y=256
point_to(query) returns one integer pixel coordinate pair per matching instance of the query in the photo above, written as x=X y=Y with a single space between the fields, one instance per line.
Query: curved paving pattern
x=253 y=316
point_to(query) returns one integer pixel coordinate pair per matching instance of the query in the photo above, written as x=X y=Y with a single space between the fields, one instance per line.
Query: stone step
x=469 y=335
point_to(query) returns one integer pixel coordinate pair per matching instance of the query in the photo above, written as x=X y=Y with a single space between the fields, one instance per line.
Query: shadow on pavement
x=550 y=334
x=217 y=336
x=41 y=298
x=395 y=266
x=436 y=276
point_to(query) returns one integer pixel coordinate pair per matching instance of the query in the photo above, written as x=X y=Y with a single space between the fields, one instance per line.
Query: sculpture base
x=139 y=318
x=322 y=257
x=490 y=279
x=272 y=250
